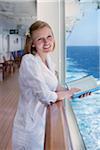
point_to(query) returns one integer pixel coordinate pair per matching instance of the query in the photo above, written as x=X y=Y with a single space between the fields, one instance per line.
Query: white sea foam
x=87 y=110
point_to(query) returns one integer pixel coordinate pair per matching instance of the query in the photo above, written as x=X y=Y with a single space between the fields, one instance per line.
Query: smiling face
x=43 y=40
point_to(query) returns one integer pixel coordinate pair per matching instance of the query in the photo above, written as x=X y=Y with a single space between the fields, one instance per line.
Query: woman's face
x=43 y=40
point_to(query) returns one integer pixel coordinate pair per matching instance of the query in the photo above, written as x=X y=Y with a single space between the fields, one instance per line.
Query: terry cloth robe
x=38 y=84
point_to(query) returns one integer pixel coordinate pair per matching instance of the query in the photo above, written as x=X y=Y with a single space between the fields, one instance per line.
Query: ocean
x=82 y=61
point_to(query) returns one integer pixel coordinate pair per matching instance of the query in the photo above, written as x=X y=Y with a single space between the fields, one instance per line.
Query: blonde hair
x=28 y=43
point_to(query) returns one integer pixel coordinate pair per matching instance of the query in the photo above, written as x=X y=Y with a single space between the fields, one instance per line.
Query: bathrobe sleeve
x=32 y=77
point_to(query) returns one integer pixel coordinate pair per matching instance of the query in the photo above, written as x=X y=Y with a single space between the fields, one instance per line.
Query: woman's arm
x=60 y=88
x=66 y=94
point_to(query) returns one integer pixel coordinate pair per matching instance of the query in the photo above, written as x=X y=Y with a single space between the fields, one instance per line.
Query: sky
x=86 y=31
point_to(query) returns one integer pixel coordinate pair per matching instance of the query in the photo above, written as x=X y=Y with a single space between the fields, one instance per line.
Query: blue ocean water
x=85 y=58
x=82 y=61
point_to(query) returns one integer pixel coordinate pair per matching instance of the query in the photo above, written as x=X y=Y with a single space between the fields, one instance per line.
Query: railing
x=57 y=135
x=62 y=132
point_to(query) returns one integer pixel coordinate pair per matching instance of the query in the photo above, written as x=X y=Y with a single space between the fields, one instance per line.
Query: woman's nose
x=46 y=40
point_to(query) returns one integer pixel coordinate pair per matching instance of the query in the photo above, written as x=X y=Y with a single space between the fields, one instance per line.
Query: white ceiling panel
x=22 y=12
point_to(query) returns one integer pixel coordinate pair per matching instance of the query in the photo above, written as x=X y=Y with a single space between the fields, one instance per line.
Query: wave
x=87 y=109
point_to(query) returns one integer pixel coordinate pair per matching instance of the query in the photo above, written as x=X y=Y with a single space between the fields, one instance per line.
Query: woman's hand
x=67 y=94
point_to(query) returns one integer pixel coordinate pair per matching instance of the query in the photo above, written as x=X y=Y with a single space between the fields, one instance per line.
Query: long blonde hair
x=28 y=43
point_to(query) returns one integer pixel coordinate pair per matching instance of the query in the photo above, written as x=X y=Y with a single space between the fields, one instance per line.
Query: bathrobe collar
x=49 y=63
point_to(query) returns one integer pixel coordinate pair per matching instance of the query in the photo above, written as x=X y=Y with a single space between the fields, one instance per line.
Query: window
x=82 y=58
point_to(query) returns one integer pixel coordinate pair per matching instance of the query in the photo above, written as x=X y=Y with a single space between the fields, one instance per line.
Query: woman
x=38 y=88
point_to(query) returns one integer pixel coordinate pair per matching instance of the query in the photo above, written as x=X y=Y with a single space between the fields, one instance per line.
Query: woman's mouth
x=46 y=47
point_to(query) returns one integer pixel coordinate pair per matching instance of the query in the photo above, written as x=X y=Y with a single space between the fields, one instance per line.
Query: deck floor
x=9 y=93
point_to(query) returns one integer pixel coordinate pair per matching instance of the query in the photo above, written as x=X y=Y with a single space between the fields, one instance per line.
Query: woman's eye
x=39 y=39
x=49 y=36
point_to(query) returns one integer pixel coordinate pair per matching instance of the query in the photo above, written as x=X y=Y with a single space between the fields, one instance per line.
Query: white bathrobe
x=37 y=89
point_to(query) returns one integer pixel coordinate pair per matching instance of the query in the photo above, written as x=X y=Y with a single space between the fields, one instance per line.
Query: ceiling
x=23 y=12
x=20 y=12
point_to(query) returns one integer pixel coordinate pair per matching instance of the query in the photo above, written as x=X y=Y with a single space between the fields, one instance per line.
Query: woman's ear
x=33 y=45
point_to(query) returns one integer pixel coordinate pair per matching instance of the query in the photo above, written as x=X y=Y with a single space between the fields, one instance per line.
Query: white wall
x=0 y=43
x=52 y=11
x=15 y=42
x=10 y=42
x=5 y=25
x=5 y=42
x=22 y=42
